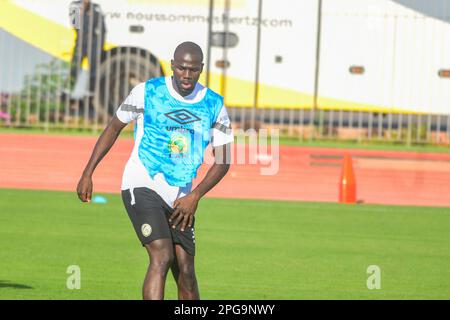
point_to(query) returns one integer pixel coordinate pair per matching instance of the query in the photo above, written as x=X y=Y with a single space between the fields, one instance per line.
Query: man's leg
x=79 y=53
x=75 y=66
x=147 y=215
x=184 y=273
x=161 y=257
x=94 y=60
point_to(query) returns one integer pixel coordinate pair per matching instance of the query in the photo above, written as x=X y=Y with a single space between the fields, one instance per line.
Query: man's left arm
x=185 y=207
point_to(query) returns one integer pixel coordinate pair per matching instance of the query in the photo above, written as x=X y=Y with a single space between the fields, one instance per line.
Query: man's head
x=187 y=65
x=86 y=4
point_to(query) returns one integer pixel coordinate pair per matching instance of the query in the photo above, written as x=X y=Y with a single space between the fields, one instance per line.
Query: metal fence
x=49 y=97
x=307 y=124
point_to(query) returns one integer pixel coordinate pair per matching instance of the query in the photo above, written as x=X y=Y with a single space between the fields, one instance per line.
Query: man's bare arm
x=185 y=207
x=216 y=172
x=103 y=145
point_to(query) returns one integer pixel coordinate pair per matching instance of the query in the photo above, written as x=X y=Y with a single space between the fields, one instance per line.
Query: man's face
x=86 y=4
x=186 y=71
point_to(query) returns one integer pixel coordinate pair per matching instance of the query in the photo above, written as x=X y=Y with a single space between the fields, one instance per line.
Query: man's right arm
x=103 y=145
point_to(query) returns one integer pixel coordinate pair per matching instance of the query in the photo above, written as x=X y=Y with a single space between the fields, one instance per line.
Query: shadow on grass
x=8 y=284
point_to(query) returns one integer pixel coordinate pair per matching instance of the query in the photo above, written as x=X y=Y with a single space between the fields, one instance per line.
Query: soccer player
x=176 y=118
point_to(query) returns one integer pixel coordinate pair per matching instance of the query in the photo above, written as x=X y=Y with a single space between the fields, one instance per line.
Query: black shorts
x=149 y=214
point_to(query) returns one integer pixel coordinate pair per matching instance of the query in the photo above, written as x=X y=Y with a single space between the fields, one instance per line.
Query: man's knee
x=161 y=262
x=187 y=278
x=161 y=256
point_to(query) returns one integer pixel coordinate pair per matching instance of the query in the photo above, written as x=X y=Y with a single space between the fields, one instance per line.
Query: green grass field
x=245 y=249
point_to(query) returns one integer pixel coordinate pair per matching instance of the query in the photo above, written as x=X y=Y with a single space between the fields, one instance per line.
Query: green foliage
x=40 y=99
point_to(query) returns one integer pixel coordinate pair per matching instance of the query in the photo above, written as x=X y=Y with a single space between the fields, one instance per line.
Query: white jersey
x=135 y=174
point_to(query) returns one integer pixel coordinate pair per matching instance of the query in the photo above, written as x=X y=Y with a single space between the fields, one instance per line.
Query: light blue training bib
x=176 y=133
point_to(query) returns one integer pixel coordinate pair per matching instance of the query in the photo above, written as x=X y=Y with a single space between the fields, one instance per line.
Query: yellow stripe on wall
x=46 y=35
x=52 y=38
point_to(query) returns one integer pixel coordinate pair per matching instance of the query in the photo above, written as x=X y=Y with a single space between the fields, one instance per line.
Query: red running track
x=307 y=174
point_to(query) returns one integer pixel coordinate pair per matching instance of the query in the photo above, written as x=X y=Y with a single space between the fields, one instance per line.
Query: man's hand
x=185 y=208
x=104 y=143
x=84 y=188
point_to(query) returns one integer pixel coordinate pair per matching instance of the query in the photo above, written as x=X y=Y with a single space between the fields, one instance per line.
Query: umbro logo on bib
x=182 y=116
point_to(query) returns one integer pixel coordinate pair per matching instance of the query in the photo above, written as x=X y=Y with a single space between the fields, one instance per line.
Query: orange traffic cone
x=347 y=185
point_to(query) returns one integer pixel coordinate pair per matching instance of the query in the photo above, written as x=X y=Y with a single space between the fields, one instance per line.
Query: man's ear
x=201 y=69
x=171 y=65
